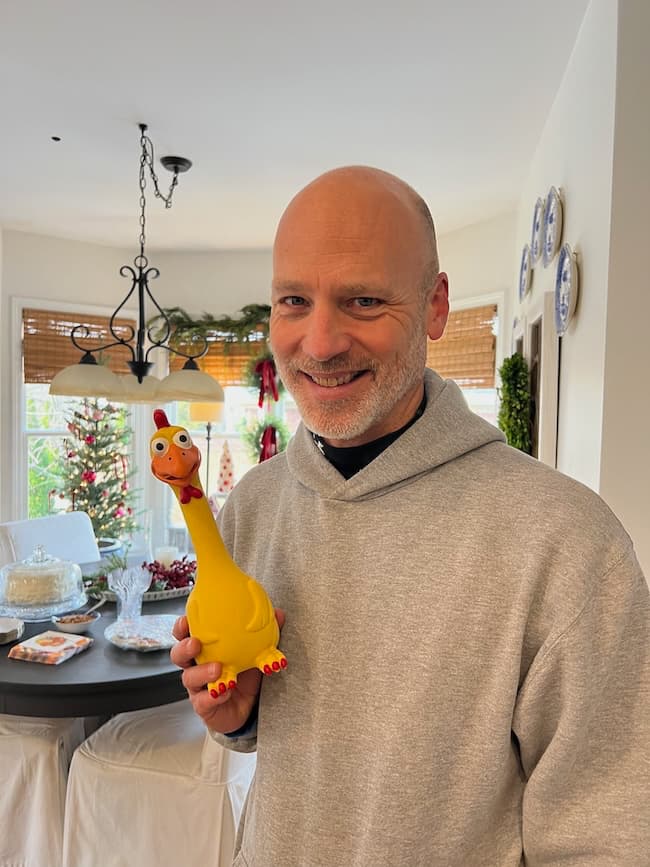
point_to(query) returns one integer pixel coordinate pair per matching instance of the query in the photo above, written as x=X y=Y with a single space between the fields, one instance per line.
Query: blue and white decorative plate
x=566 y=289
x=524 y=272
x=552 y=226
x=537 y=233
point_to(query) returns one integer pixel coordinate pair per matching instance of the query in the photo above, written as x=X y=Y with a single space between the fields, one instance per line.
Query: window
x=44 y=433
x=46 y=348
x=466 y=353
x=240 y=407
x=226 y=360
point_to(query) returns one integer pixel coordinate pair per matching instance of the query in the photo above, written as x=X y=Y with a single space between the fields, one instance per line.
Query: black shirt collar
x=348 y=460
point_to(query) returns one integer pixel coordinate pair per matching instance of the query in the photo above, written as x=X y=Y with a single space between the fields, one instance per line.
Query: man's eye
x=366 y=302
x=292 y=301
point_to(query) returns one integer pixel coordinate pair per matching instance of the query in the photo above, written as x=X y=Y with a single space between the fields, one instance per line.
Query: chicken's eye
x=159 y=446
x=182 y=439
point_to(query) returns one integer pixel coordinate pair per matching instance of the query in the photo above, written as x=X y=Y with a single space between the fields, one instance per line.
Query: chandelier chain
x=147 y=162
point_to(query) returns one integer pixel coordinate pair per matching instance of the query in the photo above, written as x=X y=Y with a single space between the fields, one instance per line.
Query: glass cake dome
x=40 y=586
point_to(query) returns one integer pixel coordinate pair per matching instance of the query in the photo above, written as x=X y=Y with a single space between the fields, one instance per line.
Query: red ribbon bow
x=269 y=443
x=265 y=369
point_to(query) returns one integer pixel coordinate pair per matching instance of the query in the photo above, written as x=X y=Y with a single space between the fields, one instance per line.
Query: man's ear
x=438 y=307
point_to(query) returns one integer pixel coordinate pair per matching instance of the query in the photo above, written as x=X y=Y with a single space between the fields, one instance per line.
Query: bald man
x=467 y=629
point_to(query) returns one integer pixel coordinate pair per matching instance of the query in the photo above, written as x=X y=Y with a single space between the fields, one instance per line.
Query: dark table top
x=100 y=681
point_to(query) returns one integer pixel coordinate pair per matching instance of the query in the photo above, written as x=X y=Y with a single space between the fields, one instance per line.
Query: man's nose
x=325 y=334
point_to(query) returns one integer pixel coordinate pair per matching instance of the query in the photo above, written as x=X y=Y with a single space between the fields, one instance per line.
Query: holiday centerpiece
x=175 y=579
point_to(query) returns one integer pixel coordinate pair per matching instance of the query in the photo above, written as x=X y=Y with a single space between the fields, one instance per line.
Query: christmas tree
x=95 y=469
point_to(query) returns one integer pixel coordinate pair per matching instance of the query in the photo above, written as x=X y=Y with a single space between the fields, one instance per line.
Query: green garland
x=515 y=410
x=251 y=434
x=252 y=325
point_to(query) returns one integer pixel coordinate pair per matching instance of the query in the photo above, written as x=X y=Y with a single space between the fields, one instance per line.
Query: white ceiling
x=262 y=96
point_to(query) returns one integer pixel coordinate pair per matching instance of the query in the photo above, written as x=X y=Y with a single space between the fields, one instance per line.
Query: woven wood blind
x=467 y=351
x=47 y=347
x=226 y=361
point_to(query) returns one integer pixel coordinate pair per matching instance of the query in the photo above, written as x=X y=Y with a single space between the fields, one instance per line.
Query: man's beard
x=350 y=417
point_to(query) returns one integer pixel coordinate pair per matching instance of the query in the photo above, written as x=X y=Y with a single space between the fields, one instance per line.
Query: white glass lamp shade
x=86 y=380
x=190 y=385
x=132 y=391
x=200 y=411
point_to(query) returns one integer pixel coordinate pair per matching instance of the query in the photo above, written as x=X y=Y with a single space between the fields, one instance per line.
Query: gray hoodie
x=468 y=642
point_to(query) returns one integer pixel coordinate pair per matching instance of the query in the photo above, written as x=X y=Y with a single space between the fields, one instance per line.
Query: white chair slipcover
x=34 y=757
x=35 y=752
x=152 y=788
x=68 y=536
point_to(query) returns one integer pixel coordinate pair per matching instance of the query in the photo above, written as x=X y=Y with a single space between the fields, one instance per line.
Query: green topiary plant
x=515 y=409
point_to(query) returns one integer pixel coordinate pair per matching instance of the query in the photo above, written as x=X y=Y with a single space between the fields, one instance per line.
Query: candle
x=165 y=555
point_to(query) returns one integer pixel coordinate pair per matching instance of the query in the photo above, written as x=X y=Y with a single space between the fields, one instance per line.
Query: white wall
x=596 y=146
x=3 y=414
x=219 y=283
x=575 y=154
x=625 y=460
x=478 y=258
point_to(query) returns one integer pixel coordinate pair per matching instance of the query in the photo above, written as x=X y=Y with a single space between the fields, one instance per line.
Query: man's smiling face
x=349 y=312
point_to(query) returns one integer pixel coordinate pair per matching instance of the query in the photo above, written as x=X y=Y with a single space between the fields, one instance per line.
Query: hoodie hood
x=448 y=428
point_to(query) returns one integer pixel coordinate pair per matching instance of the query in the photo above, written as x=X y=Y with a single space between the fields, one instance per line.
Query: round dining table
x=101 y=681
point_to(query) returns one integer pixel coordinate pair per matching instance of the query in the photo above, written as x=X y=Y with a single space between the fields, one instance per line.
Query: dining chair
x=34 y=756
x=154 y=789
x=68 y=536
x=35 y=753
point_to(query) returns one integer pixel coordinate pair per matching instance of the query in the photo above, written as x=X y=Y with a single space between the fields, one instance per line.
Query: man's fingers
x=197 y=677
x=181 y=629
x=183 y=653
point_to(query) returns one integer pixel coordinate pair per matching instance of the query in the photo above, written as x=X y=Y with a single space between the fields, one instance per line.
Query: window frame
x=17 y=469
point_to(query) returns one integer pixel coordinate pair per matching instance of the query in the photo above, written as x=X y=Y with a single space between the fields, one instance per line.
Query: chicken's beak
x=177 y=467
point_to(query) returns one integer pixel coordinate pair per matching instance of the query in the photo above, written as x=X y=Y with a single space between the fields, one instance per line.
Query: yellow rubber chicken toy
x=228 y=611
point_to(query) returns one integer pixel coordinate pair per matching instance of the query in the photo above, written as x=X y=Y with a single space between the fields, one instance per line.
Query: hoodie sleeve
x=582 y=722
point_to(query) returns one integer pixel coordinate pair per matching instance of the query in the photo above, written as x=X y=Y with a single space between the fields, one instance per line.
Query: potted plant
x=515 y=407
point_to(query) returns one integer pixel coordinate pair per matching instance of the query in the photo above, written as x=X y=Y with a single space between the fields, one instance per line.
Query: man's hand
x=229 y=711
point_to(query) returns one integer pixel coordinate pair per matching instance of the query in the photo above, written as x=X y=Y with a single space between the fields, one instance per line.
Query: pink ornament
x=89 y=440
x=98 y=415
x=125 y=486
x=72 y=454
x=88 y=476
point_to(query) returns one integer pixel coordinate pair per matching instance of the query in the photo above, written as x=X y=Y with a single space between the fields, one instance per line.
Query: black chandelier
x=90 y=379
